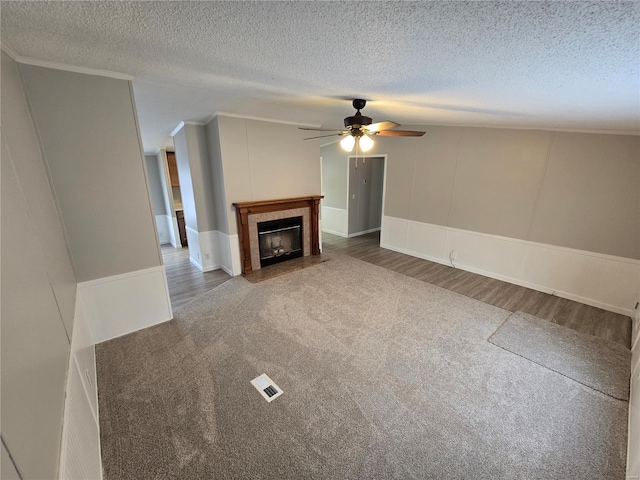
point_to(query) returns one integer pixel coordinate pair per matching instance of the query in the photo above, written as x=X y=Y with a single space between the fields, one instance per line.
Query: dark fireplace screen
x=280 y=240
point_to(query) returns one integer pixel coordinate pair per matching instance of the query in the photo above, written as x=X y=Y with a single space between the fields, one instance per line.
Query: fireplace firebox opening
x=280 y=240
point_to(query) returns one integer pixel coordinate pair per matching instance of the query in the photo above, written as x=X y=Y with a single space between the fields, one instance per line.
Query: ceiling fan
x=362 y=128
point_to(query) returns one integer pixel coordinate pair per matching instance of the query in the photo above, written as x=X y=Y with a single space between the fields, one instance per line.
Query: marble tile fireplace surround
x=250 y=214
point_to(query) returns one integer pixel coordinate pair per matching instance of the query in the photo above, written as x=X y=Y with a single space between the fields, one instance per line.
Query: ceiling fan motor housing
x=358 y=120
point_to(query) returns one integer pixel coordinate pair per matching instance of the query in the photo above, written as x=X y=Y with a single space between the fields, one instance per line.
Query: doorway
x=365 y=194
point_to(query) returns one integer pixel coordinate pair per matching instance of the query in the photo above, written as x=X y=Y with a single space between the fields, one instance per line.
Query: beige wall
x=334 y=176
x=187 y=192
x=590 y=199
x=497 y=178
x=264 y=160
x=575 y=190
x=38 y=294
x=88 y=130
x=155 y=184
x=217 y=176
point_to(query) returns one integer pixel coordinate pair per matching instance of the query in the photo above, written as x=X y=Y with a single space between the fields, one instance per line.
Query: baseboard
x=195 y=263
x=603 y=281
x=123 y=304
x=364 y=232
x=332 y=232
x=80 y=447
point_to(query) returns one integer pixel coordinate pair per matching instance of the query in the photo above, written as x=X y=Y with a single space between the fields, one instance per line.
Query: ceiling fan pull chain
x=357 y=155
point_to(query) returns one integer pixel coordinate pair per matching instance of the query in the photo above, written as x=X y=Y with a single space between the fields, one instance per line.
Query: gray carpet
x=597 y=363
x=384 y=377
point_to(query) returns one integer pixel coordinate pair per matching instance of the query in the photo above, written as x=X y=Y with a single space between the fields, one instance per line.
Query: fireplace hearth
x=273 y=231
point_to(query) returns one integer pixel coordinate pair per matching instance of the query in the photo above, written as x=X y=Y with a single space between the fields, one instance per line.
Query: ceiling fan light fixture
x=365 y=143
x=347 y=143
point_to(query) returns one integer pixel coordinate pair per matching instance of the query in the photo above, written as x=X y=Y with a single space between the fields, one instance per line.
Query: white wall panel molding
x=164 y=231
x=80 y=450
x=230 y=254
x=364 y=232
x=175 y=233
x=193 y=240
x=633 y=443
x=209 y=250
x=604 y=281
x=123 y=304
x=213 y=250
x=335 y=221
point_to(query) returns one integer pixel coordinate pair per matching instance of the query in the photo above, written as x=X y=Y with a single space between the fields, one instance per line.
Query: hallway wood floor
x=185 y=280
x=568 y=313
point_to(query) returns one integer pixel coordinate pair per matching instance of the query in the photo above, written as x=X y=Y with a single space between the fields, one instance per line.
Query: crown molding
x=63 y=66
x=177 y=129
x=261 y=119
x=514 y=127
x=186 y=122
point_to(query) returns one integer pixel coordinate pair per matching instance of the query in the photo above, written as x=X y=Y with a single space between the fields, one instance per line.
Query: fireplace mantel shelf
x=266 y=203
x=245 y=209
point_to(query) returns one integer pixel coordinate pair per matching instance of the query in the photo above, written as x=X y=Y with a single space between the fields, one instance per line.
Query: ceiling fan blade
x=322 y=136
x=400 y=133
x=386 y=125
x=321 y=129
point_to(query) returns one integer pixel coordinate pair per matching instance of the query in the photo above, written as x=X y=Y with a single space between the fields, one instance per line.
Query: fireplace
x=279 y=240
x=272 y=231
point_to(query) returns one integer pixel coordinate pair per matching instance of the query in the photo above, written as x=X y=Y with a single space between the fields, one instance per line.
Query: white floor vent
x=267 y=388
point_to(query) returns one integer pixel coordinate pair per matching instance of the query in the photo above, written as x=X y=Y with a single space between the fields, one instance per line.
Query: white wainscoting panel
x=496 y=255
x=603 y=281
x=209 y=250
x=175 y=234
x=83 y=349
x=162 y=226
x=335 y=221
x=394 y=233
x=633 y=443
x=125 y=303
x=635 y=332
x=80 y=452
x=80 y=449
x=230 y=254
x=193 y=239
x=426 y=240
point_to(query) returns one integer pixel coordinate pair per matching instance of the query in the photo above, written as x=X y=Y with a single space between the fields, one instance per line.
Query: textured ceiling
x=566 y=65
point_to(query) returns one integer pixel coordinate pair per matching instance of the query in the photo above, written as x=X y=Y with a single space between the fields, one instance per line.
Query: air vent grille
x=267 y=388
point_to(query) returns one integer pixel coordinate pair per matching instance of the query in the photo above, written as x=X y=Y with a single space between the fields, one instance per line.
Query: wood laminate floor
x=577 y=316
x=185 y=280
